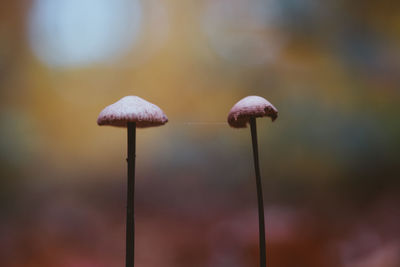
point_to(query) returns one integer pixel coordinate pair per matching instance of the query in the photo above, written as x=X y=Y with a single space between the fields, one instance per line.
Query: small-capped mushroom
x=250 y=107
x=243 y=112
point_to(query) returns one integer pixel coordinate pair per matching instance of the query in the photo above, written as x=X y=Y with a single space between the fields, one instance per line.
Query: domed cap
x=132 y=109
x=250 y=107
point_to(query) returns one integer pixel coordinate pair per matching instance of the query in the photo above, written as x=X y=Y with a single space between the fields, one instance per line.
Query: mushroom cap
x=250 y=107
x=132 y=109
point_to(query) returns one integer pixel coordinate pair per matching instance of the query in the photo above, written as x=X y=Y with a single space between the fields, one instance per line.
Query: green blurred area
x=330 y=163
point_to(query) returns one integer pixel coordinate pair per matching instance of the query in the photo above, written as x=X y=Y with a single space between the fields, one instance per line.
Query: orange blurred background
x=330 y=163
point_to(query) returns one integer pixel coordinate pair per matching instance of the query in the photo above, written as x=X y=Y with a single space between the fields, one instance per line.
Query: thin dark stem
x=261 y=224
x=130 y=209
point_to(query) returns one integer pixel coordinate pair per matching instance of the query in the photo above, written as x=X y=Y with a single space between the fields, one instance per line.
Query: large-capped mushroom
x=131 y=112
x=243 y=112
x=132 y=109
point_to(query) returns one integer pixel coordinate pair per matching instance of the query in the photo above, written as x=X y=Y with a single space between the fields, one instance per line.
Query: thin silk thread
x=204 y=123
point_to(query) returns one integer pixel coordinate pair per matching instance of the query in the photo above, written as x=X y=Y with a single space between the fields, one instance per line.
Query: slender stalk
x=130 y=209
x=261 y=224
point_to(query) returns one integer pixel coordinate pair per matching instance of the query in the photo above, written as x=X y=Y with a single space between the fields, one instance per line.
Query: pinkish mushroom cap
x=132 y=109
x=250 y=107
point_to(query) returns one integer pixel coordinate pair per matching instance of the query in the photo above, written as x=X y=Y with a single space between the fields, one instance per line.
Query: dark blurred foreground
x=84 y=225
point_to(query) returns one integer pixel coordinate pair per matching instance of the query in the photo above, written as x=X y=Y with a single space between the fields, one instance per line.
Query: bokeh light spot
x=242 y=31
x=72 y=33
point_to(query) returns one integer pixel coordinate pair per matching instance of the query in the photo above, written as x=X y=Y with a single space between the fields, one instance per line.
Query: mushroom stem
x=261 y=224
x=130 y=210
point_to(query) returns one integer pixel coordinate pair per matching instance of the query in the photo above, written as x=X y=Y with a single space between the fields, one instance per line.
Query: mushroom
x=131 y=112
x=243 y=112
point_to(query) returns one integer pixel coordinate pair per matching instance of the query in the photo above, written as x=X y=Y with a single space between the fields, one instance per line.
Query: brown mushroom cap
x=132 y=109
x=250 y=107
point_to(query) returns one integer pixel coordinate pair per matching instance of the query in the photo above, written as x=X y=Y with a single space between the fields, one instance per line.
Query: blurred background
x=330 y=163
